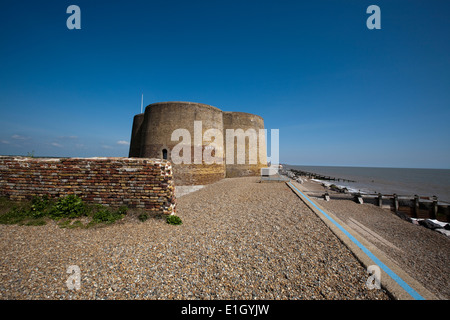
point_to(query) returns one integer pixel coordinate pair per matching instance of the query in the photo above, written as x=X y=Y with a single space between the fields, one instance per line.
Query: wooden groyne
x=405 y=206
x=412 y=206
x=312 y=175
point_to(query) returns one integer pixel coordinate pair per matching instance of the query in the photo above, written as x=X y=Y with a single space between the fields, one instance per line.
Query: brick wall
x=136 y=183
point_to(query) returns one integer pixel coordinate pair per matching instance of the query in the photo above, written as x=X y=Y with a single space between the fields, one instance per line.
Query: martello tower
x=152 y=130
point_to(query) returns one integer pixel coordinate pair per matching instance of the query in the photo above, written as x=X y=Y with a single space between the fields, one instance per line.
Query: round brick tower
x=199 y=130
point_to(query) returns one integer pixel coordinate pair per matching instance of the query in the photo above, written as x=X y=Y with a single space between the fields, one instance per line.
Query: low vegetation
x=143 y=217
x=173 y=219
x=70 y=212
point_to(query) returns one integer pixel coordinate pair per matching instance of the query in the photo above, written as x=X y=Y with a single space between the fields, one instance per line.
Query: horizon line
x=362 y=166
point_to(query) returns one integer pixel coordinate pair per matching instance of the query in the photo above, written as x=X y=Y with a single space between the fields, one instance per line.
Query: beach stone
x=429 y=224
x=421 y=252
x=240 y=239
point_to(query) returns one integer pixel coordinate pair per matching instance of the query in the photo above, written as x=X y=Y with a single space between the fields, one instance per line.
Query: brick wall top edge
x=124 y=159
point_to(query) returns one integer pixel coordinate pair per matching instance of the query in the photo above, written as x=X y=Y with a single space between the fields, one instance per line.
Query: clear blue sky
x=339 y=93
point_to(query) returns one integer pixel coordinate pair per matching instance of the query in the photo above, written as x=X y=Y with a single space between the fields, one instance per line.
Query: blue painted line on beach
x=413 y=293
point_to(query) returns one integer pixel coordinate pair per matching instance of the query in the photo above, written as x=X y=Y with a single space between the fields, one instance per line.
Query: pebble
x=422 y=253
x=240 y=239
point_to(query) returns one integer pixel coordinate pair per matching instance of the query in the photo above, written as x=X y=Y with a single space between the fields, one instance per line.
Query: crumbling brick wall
x=137 y=183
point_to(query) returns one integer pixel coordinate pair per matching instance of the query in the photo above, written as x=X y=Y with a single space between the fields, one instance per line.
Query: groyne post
x=380 y=200
x=416 y=206
x=395 y=202
x=434 y=208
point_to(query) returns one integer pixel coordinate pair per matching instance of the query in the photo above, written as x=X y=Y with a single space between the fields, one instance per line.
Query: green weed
x=70 y=206
x=143 y=217
x=66 y=209
x=175 y=220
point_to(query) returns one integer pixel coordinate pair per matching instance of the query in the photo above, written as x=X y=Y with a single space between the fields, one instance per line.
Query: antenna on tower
x=142 y=102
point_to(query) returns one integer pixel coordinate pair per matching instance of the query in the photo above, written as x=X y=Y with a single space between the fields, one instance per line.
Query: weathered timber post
x=395 y=202
x=416 y=206
x=380 y=200
x=434 y=208
x=326 y=196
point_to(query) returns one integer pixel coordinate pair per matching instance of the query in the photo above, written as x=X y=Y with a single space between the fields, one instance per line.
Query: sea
x=402 y=181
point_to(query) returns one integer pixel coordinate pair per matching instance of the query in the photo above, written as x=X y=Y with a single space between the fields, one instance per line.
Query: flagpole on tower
x=142 y=102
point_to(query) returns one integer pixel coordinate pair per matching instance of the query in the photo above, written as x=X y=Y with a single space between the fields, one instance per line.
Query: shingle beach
x=240 y=239
x=422 y=253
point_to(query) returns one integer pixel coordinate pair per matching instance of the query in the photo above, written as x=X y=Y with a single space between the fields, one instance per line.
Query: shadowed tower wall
x=136 y=134
x=248 y=123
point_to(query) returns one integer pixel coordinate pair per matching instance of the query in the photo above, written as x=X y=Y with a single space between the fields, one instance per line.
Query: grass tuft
x=175 y=220
x=64 y=210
